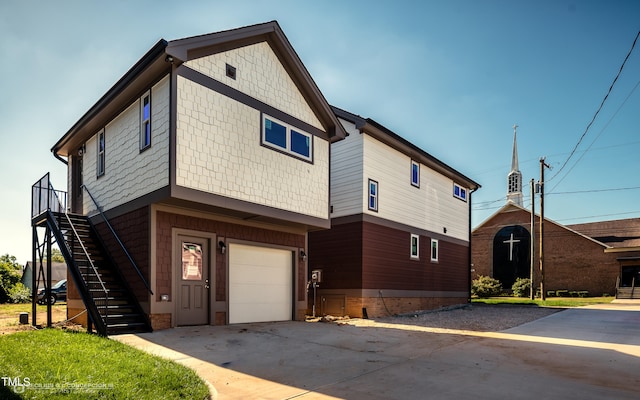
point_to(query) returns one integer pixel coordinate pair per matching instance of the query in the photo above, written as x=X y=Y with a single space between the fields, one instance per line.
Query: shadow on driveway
x=568 y=354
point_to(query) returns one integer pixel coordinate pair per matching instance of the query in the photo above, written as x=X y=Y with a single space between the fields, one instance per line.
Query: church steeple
x=514 y=179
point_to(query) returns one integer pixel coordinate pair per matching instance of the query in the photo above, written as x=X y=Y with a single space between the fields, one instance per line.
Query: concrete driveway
x=585 y=353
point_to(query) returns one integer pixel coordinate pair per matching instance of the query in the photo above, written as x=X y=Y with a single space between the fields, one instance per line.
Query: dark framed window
x=415 y=173
x=281 y=136
x=459 y=192
x=100 y=161
x=373 y=195
x=145 y=121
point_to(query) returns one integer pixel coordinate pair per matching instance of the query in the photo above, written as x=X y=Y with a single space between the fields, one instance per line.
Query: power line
x=597 y=136
x=595 y=190
x=599 y=108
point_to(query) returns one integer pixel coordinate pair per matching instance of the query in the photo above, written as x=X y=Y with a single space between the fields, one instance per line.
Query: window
x=415 y=245
x=459 y=192
x=373 y=195
x=434 y=250
x=145 y=121
x=281 y=136
x=100 y=159
x=415 y=173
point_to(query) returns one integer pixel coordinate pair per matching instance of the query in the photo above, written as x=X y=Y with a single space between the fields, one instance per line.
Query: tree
x=56 y=255
x=10 y=273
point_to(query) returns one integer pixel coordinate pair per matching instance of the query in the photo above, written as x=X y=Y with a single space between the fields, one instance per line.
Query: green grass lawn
x=549 y=302
x=61 y=364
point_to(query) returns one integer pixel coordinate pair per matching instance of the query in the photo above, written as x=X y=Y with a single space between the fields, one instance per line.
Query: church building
x=594 y=258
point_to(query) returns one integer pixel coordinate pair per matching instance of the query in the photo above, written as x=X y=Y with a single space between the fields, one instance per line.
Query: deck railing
x=44 y=197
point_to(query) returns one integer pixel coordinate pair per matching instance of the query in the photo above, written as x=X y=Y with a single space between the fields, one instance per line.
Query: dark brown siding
x=388 y=265
x=364 y=255
x=338 y=253
x=133 y=230
x=167 y=221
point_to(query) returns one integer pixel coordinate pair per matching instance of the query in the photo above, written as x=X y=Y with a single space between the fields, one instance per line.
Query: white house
x=400 y=227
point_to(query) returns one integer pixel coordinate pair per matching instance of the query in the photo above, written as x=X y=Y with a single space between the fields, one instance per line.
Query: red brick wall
x=571 y=261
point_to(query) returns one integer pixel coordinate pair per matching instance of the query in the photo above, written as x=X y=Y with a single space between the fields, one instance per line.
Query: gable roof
x=165 y=55
x=621 y=233
x=402 y=145
x=510 y=206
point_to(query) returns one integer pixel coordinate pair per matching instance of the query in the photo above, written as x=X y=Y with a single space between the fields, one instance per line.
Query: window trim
x=434 y=246
x=376 y=195
x=143 y=121
x=288 y=131
x=462 y=195
x=415 y=164
x=415 y=256
x=101 y=154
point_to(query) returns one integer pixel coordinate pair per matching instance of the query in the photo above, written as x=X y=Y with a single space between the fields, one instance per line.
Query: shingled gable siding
x=129 y=173
x=218 y=151
x=259 y=74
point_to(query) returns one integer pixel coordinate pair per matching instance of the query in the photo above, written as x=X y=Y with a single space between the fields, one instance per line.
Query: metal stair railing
x=93 y=268
x=115 y=235
x=47 y=201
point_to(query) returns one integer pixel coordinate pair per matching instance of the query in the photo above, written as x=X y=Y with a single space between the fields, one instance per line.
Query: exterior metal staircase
x=111 y=305
x=116 y=306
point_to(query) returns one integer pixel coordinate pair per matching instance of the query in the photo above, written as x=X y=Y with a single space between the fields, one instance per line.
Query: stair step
x=118 y=310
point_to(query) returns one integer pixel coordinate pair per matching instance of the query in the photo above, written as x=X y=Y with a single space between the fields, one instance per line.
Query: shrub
x=521 y=287
x=19 y=294
x=485 y=286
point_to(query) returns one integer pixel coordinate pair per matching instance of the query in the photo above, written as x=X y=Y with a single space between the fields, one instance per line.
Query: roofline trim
x=396 y=141
x=157 y=50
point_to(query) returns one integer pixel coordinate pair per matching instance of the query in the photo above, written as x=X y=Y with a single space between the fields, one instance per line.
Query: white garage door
x=260 y=284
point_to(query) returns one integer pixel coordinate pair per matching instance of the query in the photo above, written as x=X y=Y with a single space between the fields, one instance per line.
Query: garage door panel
x=260 y=284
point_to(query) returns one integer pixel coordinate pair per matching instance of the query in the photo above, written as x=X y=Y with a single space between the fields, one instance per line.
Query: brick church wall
x=571 y=261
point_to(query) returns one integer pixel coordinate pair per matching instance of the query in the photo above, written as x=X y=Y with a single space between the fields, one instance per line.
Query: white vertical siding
x=129 y=173
x=218 y=151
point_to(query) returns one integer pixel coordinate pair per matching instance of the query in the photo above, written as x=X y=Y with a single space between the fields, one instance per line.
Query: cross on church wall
x=511 y=242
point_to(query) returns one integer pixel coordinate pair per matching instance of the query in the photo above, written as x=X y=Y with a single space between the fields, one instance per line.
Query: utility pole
x=533 y=238
x=543 y=295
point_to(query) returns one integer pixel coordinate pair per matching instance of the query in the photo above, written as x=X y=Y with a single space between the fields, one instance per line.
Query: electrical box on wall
x=316 y=276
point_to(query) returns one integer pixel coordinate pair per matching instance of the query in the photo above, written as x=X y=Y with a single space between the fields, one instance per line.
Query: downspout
x=470 y=259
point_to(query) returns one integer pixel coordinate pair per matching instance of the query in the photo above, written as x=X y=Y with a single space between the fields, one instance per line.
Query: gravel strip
x=476 y=317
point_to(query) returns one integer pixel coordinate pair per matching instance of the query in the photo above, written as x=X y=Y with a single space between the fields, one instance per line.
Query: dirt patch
x=10 y=317
x=476 y=317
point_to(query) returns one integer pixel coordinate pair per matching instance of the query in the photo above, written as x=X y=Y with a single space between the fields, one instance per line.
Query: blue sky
x=450 y=76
